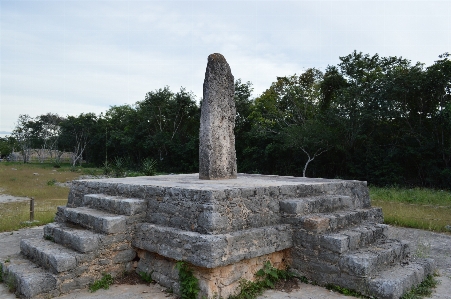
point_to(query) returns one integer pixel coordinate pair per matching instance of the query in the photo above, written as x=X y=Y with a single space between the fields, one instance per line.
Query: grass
x=416 y=208
x=32 y=180
x=37 y=180
x=419 y=196
x=15 y=215
x=103 y=283
x=424 y=289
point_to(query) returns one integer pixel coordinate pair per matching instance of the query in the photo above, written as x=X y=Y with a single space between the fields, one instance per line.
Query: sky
x=71 y=57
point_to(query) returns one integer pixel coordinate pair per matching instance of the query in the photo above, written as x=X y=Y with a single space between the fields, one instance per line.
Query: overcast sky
x=69 y=57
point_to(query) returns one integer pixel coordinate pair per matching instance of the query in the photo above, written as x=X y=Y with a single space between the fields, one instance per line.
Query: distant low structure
x=39 y=155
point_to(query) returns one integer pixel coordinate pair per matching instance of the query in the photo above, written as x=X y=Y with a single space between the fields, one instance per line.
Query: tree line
x=380 y=119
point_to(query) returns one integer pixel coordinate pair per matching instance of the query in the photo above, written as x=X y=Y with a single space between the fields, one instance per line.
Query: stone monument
x=217 y=157
x=223 y=228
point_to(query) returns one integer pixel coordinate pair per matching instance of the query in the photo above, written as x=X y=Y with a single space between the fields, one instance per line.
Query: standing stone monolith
x=217 y=157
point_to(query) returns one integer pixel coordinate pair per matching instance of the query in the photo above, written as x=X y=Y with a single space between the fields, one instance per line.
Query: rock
x=217 y=157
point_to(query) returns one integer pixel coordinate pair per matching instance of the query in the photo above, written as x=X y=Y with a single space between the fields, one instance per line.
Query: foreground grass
x=40 y=182
x=417 y=208
x=15 y=215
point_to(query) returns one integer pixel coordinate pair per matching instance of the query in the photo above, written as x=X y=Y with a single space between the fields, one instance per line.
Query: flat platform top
x=192 y=181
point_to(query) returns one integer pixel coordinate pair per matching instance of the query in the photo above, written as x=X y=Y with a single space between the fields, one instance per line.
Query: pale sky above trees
x=69 y=57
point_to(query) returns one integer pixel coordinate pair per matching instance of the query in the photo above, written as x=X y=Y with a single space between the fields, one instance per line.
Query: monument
x=217 y=157
x=222 y=225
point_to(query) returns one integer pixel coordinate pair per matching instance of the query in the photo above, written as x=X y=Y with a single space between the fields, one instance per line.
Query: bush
x=149 y=167
x=103 y=283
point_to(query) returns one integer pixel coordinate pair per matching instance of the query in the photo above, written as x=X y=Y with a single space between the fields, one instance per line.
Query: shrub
x=149 y=167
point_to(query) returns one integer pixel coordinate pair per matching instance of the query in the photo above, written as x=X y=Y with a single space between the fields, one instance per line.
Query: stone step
x=79 y=239
x=317 y=204
x=322 y=223
x=29 y=279
x=115 y=204
x=398 y=280
x=368 y=261
x=97 y=221
x=342 y=241
x=52 y=256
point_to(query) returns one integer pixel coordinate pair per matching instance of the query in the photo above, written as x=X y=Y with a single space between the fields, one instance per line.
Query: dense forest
x=380 y=119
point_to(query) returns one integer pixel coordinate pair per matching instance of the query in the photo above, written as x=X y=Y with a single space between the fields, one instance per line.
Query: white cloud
x=69 y=57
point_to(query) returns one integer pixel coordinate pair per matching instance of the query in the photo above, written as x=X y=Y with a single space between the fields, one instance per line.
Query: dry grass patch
x=416 y=216
x=15 y=215
x=39 y=181
x=417 y=207
x=35 y=180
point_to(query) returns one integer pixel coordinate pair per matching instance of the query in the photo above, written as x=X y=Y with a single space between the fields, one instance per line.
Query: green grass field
x=40 y=182
x=417 y=208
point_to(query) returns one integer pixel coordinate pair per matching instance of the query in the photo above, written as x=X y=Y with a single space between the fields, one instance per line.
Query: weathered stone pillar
x=217 y=157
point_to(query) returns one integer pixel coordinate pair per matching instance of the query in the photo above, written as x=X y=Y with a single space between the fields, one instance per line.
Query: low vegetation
x=267 y=277
x=416 y=208
x=424 y=289
x=40 y=181
x=189 y=285
x=32 y=179
x=147 y=277
x=103 y=283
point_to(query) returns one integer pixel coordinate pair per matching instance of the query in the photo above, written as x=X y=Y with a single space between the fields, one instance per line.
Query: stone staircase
x=83 y=243
x=336 y=241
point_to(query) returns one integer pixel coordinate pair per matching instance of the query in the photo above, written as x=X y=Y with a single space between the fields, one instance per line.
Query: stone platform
x=225 y=229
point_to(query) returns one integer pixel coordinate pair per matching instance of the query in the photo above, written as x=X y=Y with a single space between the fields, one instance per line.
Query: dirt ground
x=424 y=243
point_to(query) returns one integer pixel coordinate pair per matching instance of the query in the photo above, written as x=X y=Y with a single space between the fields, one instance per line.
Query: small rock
x=13 y=168
x=448 y=227
x=35 y=173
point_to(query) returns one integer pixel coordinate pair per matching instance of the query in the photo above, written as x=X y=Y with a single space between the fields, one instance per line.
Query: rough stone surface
x=224 y=229
x=49 y=255
x=96 y=220
x=217 y=207
x=217 y=157
x=115 y=204
x=212 y=251
x=78 y=239
x=220 y=282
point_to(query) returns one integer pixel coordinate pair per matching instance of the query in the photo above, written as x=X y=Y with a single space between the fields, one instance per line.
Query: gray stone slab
x=212 y=250
x=393 y=283
x=49 y=255
x=366 y=262
x=95 y=220
x=331 y=222
x=81 y=240
x=115 y=204
x=30 y=280
x=317 y=204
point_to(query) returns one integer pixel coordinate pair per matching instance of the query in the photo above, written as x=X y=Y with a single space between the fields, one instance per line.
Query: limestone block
x=211 y=251
x=217 y=157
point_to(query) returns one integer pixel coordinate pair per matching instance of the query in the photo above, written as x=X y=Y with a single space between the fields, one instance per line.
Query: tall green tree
x=290 y=111
x=76 y=134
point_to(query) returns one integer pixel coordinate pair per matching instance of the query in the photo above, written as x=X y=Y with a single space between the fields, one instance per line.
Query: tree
x=49 y=133
x=290 y=110
x=6 y=147
x=76 y=134
x=168 y=127
x=23 y=135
